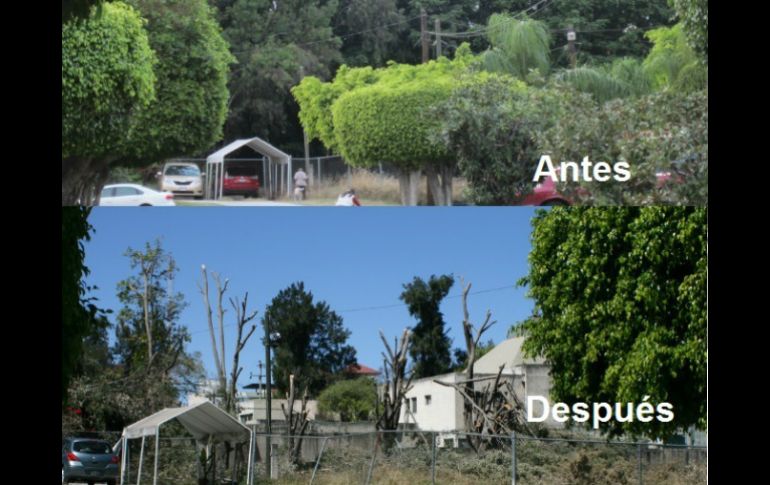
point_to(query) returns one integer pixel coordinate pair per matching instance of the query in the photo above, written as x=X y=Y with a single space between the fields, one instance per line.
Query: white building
x=431 y=406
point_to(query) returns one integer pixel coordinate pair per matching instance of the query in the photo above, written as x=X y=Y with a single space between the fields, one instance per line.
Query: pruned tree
x=494 y=408
x=228 y=388
x=297 y=421
x=218 y=360
x=242 y=317
x=397 y=381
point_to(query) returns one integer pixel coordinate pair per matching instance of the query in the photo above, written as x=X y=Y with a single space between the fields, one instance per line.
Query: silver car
x=88 y=460
x=182 y=178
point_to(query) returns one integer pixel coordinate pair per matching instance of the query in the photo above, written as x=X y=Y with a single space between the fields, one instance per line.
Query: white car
x=132 y=194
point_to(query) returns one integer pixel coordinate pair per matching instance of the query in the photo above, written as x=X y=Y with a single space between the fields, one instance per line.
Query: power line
x=396 y=305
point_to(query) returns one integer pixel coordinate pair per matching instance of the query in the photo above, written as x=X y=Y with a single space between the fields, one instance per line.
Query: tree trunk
x=409 y=185
x=82 y=180
x=446 y=183
x=435 y=186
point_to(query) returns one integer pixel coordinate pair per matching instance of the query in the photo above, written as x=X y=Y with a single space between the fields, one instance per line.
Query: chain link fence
x=420 y=457
x=471 y=459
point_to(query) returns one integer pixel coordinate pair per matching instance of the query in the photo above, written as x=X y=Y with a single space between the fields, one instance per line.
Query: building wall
x=444 y=409
x=256 y=409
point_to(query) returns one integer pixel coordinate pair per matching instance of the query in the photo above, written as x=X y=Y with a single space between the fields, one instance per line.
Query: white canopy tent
x=273 y=173
x=202 y=421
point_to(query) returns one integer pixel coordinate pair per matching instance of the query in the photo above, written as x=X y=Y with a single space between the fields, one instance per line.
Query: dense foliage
x=148 y=366
x=352 y=399
x=107 y=74
x=189 y=110
x=80 y=315
x=620 y=308
x=491 y=123
x=665 y=132
x=429 y=344
x=309 y=340
x=694 y=15
x=276 y=44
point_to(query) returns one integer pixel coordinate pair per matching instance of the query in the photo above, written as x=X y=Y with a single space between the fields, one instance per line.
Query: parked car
x=545 y=192
x=182 y=178
x=134 y=195
x=88 y=460
x=241 y=181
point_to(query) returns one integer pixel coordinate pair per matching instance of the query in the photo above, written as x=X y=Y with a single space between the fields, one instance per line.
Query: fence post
x=513 y=458
x=433 y=460
x=318 y=461
x=639 y=453
x=374 y=455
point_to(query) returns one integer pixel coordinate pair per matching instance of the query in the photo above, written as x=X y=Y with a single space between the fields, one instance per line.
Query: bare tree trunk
x=447 y=173
x=242 y=318
x=205 y=292
x=434 y=185
x=83 y=179
x=471 y=343
x=409 y=186
x=146 y=309
x=221 y=318
x=297 y=422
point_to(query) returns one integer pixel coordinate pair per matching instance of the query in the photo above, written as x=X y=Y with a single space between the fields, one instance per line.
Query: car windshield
x=188 y=170
x=93 y=447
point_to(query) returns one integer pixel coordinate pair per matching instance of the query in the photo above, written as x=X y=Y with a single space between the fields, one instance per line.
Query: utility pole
x=424 y=34
x=268 y=408
x=438 y=38
x=571 y=46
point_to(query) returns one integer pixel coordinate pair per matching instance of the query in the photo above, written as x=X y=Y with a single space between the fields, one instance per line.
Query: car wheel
x=145 y=205
x=63 y=477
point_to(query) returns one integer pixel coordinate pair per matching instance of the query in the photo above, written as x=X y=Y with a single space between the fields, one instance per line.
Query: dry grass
x=372 y=189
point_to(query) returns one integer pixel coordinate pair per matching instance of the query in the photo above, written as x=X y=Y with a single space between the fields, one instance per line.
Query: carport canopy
x=203 y=420
x=215 y=163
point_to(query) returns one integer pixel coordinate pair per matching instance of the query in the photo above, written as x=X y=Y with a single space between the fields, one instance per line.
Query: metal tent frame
x=276 y=159
x=203 y=421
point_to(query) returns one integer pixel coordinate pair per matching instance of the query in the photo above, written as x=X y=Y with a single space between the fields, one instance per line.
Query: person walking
x=300 y=184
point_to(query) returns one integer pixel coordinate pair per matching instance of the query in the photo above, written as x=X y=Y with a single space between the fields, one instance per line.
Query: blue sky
x=354 y=259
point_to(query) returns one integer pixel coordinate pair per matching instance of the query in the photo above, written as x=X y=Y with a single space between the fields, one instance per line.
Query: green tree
x=620 y=308
x=78 y=9
x=373 y=115
x=190 y=107
x=666 y=131
x=312 y=340
x=107 y=74
x=368 y=30
x=276 y=44
x=694 y=15
x=623 y=78
x=672 y=64
x=461 y=356
x=517 y=46
x=353 y=399
x=492 y=124
x=149 y=340
x=81 y=318
x=606 y=29
x=117 y=385
x=429 y=345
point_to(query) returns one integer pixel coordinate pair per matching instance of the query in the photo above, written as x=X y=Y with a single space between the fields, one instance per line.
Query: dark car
x=88 y=460
x=241 y=181
x=546 y=192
